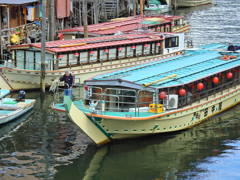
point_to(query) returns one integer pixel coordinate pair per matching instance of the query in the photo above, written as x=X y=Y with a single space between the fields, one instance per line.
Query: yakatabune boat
x=85 y=57
x=158 y=97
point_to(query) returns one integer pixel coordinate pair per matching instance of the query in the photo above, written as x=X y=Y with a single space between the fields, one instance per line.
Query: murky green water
x=47 y=145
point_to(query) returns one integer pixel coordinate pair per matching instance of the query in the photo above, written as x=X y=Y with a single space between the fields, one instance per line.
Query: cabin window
x=112 y=53
x=63 y=61
x=20 y=59
x=171 y=42
x=139 y=50
x=29 y=60
x=84 y=56
x=37 y=61
x=104 y=54
x=121 y=52
x=131 y=50
x=146 y=49
x=93 y=56
x=73 y=58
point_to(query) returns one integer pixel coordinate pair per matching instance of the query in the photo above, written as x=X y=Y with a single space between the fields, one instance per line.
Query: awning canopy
x=17 y=2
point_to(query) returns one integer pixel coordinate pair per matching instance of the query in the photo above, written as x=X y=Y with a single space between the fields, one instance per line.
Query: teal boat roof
x=194 y=64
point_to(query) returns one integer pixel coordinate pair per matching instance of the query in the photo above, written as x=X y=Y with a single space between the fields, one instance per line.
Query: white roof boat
x=11 y=109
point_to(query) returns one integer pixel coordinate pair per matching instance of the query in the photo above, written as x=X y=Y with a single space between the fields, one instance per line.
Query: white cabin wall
x=175 y=49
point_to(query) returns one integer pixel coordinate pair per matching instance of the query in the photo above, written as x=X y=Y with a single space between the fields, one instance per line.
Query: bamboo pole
x=141 y=7
x=43 y=41
x=159 y=80
x=85 y=18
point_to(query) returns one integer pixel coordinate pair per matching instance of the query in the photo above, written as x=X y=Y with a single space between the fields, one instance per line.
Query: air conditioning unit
x=171 y=101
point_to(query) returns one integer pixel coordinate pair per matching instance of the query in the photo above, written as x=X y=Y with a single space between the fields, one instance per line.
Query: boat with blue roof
x=159 y=97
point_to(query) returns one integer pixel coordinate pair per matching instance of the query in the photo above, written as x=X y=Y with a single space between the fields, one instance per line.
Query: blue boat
x=4 y=92
x=11 y=109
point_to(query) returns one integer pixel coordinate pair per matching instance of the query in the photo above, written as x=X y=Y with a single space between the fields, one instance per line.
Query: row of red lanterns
x=200 y=86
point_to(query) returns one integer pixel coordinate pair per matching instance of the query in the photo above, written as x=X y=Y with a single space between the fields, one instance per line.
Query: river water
x=47 y=145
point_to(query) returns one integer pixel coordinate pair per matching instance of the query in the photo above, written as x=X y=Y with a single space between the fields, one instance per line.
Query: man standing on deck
x=68 y=79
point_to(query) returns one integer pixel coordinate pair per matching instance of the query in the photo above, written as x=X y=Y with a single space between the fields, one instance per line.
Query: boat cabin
x=165 y=85
x=72 y=53
x=163 y=23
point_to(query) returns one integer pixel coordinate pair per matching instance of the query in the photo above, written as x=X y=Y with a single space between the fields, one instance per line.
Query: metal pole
x=117 y=11
x=51 y=19
x=85 y=18
x=43 y=41
x=175 y=4
x=1 y=48
x=80 y=13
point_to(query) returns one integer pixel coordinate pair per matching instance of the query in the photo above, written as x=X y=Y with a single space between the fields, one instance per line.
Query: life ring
x=232 y=57
x=225 y=57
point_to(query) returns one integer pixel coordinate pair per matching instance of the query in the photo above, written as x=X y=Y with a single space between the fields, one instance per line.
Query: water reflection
x=47 y=145
x=33 y=145
x=182 y=155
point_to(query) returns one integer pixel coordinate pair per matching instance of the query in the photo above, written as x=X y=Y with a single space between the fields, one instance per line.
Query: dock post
x=134 y=7
x=51 y=18
x=141 y=7
x=43 y=40
x=85 y=18
x=1 y=48
x=175 y=4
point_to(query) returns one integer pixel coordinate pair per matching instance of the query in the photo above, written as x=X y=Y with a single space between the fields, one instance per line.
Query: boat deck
x=192 y=65
x=227 y=92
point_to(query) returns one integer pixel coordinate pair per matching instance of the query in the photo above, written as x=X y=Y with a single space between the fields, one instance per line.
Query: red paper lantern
x=215 y=80
x=133 y=47
x=200 y=86
x=120 y=49
x=91 y=52
x=146 y=45
x=85 y=88
x=158 y=44
x=229 y=75
x=181 y=92
x=162 y=95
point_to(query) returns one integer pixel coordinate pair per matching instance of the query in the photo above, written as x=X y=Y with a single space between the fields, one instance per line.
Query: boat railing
x=205 y=94
x=117 y=100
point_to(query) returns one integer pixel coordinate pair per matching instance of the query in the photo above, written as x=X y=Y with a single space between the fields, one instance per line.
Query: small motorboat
x=12 y=108
x=4 y=92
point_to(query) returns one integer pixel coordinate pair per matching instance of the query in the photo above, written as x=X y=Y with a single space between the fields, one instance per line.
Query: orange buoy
x=232 y=57
x=215 y=80
x=225 y=57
